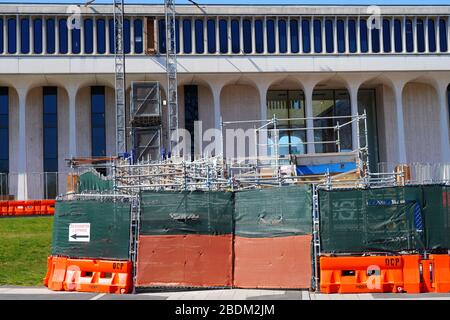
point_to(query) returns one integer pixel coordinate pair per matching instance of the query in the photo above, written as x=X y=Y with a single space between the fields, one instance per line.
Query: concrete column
x=22 y=192
x=216 y=90
x=398 y=92
x=72 y=92
x=444 y=124
x=353 y=91
x=308 y=91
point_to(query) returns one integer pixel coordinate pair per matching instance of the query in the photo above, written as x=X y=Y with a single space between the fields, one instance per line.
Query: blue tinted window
x=162 y=36
x=235 y=36
x=431 y=36
x=375 y=33
x=177 y=35
x=126 y=36
x=101 y=36
x=317 y=36
x=25 y=35
x=420 y=35
x=387 y=47
x=211 y=28
x=76 y=40
x=295 y=48
x=398 y=37
x=199 y=36
x=12 y=41
x=50 y=134
x=341 y=36
x=111 y=32
x=139 y=36
x=306 y=36
x=409 y=36
x=443 y=35
x=270 y=26
x=4 y=130
x=88 y=36
x=37 y=36
x=352 y=37
x=363 y=35
x=98 y=134
x=259 y=36
x=63 y=36
x=187 y=36
x=329 y=41
x=223 y=36
x=247 y=34
x=1 y=36
x=282 y=35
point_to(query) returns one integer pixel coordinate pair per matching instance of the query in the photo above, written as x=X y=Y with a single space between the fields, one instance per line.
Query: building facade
x=234 y=63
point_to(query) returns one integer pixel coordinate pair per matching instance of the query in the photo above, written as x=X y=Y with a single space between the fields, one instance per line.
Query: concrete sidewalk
x=40 y=293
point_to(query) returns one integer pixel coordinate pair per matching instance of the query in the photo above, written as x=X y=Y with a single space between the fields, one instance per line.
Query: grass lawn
x=25 y=244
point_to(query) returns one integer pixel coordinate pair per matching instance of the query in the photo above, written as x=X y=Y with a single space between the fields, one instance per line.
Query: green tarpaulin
x=109 y=229
x=92 y=182
x=437 y=217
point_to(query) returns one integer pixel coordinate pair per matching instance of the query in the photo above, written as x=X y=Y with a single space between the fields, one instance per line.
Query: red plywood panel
x=271 y=263
x=185 y=261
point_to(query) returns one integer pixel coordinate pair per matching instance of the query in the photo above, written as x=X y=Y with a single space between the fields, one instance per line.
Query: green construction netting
x=92 y=182
x=179 y=213
x=109 y=229
x=274 y=212
x=437 y=217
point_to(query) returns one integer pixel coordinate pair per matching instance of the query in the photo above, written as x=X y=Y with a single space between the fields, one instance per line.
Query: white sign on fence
x=79 y=232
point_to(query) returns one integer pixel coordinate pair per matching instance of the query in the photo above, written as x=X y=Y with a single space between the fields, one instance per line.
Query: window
x=199 y=36
x=98 y=127
x=409 y=36
x=352 y=46
x=431 y=36
x=25 y=35
x=329 y=39
x=235 y=37
x=50 y=138
x=270 y=25
x=317 y=36
x=211 y=28
x=420 y=35
x=12 y=41
x=375 y=34
x=63 y=36
x=4 y=131
x=139 y=37
x=398 y=37
x=162 y=36
x=187 y=36
x=101 y=36
x=306 y=36
x=387 y=47
x=294 y=36
x=247 y=34
x=363 y=36
x=37 y=36
x=282 y=35
x=223 y=35
x=177 y=35
x=443 y=35
x=126 y=36
x=76 y=41
x=1 y=36
x=259 y=36
x=112 y=36
x=88 y=31
x=191 y=114
x=341 y=36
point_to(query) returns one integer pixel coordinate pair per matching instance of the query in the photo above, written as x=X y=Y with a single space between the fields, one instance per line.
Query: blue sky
x=324 y=2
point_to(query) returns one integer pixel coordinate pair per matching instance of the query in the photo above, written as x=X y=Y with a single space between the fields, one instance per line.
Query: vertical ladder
x=171 y=68
x=134 y=232
x=119 y=53
x=316 y=237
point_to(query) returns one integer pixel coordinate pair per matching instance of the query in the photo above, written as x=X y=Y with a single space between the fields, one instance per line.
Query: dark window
x=111 y=32
x=139 y=36
x=37 y=36
x=76 y=41
x=295 y=48
x=398 y=36
x=101 y=36
x=1 y=36
x=199 y=36
x=317 y=36
x=12 y=36
x=4 y=132
x=126 y=36
x=177 y=35
x=409 y=36
x=98 y=122
x=259 y=36
x=191 y=111
x=363 y=35
x=247 y=34
x=306 y=36
x=375 y=33
x=63 y=36
x=211 y=28
x=223 y=36
x=88 y=36
x=329 y=39
x=270 y=25
x=282 y=35
x=431 y=36
x=235 y=37
x=387 y=47
x=443 y=35
x=420 y=35
x=352 y=37
x=341 y=36
x=187 y=36
x=162 y=36
x=25 y=35
x=50 y=137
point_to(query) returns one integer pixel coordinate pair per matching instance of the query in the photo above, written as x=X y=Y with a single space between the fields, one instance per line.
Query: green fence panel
x=180 y=213
x=437 y=217
x=91 y=182
x=274 y=212
x=109 y=229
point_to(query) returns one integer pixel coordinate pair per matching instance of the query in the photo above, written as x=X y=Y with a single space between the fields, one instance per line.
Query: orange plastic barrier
x=3 y=208
x=48 y=207
x=441 y=273
x=27 y=208
x=394 y=274
x=85 y=275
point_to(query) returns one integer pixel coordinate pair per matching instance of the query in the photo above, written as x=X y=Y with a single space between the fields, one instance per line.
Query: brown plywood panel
x=272 y=263
x=184 y=261
x=150 y=35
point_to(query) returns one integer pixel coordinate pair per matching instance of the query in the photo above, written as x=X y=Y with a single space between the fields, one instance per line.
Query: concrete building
x=235 y=63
